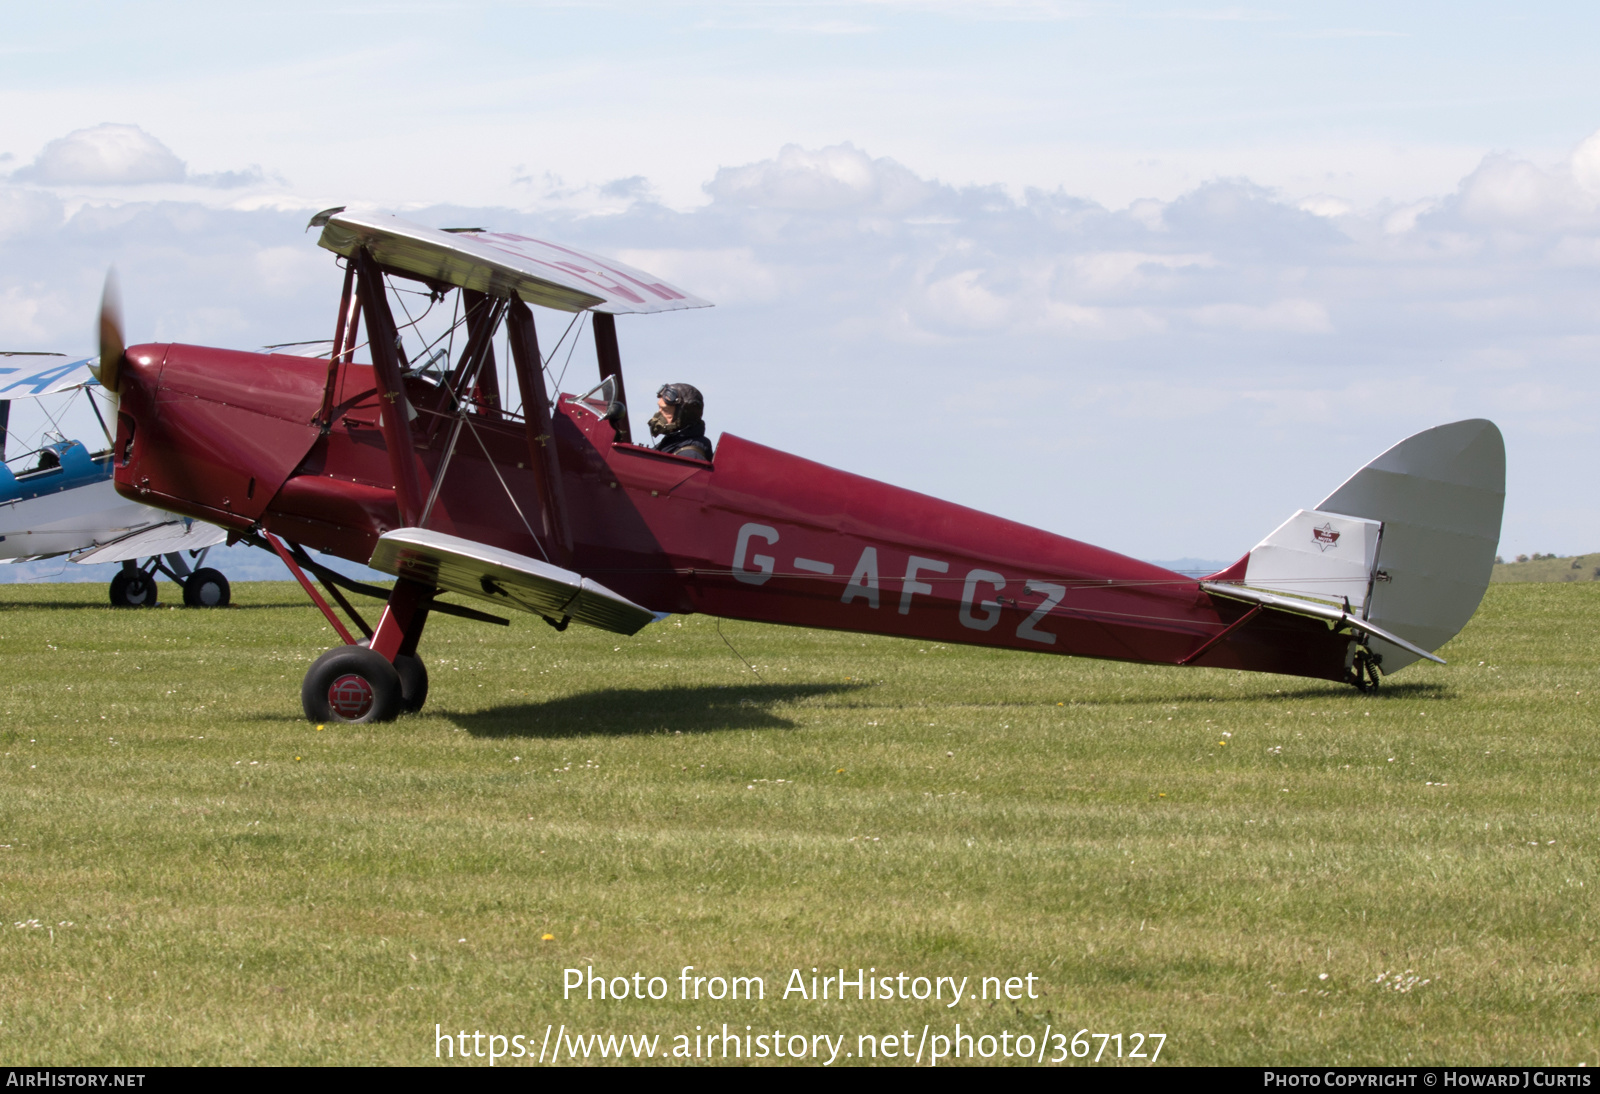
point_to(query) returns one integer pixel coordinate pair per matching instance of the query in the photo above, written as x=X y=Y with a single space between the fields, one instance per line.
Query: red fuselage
x=240 y=439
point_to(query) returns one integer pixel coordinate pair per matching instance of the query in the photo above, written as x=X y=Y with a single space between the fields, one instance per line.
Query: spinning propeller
x=112 y=344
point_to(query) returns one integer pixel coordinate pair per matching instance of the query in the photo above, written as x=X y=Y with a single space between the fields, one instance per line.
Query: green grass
x=1176 y=851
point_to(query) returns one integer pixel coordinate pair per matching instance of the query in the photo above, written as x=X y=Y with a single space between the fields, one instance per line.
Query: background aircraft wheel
x=133 y=589
x=413 y=682
x=207 y=588
x=351 y=684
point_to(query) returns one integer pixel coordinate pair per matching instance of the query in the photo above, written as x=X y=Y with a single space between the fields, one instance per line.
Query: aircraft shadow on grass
x=628 y=712
x=1410 y=689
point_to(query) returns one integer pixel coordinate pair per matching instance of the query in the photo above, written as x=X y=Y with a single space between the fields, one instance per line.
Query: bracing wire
x=53 y=421
x=412 y=323
x=570 y=349
x=512 y=497
x=736 y=653
x=555 y=349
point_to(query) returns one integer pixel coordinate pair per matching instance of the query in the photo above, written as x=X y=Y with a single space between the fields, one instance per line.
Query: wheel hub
x=350 y=696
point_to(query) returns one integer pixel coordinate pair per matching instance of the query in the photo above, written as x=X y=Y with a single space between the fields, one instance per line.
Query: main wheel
x=351 y=684
x=413 y=682
x=413 y=679
x=133 y=589
x=207 y=588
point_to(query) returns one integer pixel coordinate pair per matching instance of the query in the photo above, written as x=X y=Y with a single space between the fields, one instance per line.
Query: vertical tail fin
x=1408 y=542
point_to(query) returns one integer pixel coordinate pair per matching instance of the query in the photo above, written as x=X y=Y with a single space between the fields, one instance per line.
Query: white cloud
x=1506 y=192
x=19 y=318
x=836 y=178
x=1290 y=316
x=962 y=302
x=1118 y=269
x=1404 y=219
x=23 y=210
x=1586 y=164
x=104 y=155
x=731 y=275
x=1095 y=371
x=119 y=155
x=285 y=270
x=1325 y=205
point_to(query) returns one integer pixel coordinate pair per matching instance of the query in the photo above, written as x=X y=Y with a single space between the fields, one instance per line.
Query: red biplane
x=419 y=467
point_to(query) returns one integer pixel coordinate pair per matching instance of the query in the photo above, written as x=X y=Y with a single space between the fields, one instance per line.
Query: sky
x=1153 y=276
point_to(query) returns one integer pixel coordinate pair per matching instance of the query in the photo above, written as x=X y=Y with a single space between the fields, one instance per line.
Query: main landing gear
x=379 y=679
x=354 y=684
x=135 y=586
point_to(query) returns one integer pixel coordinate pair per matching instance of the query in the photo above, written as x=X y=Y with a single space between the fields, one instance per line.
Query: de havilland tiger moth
x=418 y=466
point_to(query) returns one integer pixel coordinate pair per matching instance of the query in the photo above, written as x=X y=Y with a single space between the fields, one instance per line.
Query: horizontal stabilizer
x=1315 y=611
x=176 y=535
x=505 y=578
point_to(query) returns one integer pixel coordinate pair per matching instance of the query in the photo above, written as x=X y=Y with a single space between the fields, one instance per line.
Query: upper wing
x=31 y=375
x=502 y=263
x=505 y=578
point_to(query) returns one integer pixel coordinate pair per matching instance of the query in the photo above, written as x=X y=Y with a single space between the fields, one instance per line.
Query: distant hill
x=1199 y=567
x=1549 y=568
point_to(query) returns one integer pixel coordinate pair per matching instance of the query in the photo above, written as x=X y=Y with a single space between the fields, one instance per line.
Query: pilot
x=678 y=422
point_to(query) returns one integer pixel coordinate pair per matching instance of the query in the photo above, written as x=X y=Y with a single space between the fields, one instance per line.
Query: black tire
x=413 y=679
x=133 y=589
x=207 y=588
x=413 y=682
x=351 y=684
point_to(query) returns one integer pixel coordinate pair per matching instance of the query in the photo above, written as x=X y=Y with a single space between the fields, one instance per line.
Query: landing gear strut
x=376 y=680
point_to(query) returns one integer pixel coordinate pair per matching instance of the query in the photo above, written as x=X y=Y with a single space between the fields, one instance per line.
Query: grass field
x=1266 y=870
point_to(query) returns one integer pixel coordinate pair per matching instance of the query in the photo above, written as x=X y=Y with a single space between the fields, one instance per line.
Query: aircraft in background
x=58 y=498
x=417 y=465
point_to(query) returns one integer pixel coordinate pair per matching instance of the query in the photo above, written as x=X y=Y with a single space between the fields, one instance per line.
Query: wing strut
x=472 y=379
x=524 y=339
x=395 y=413
x=605 y=348
x=344 y=337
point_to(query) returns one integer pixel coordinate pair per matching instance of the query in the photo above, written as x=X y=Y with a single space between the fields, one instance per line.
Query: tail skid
x=1400 y=554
